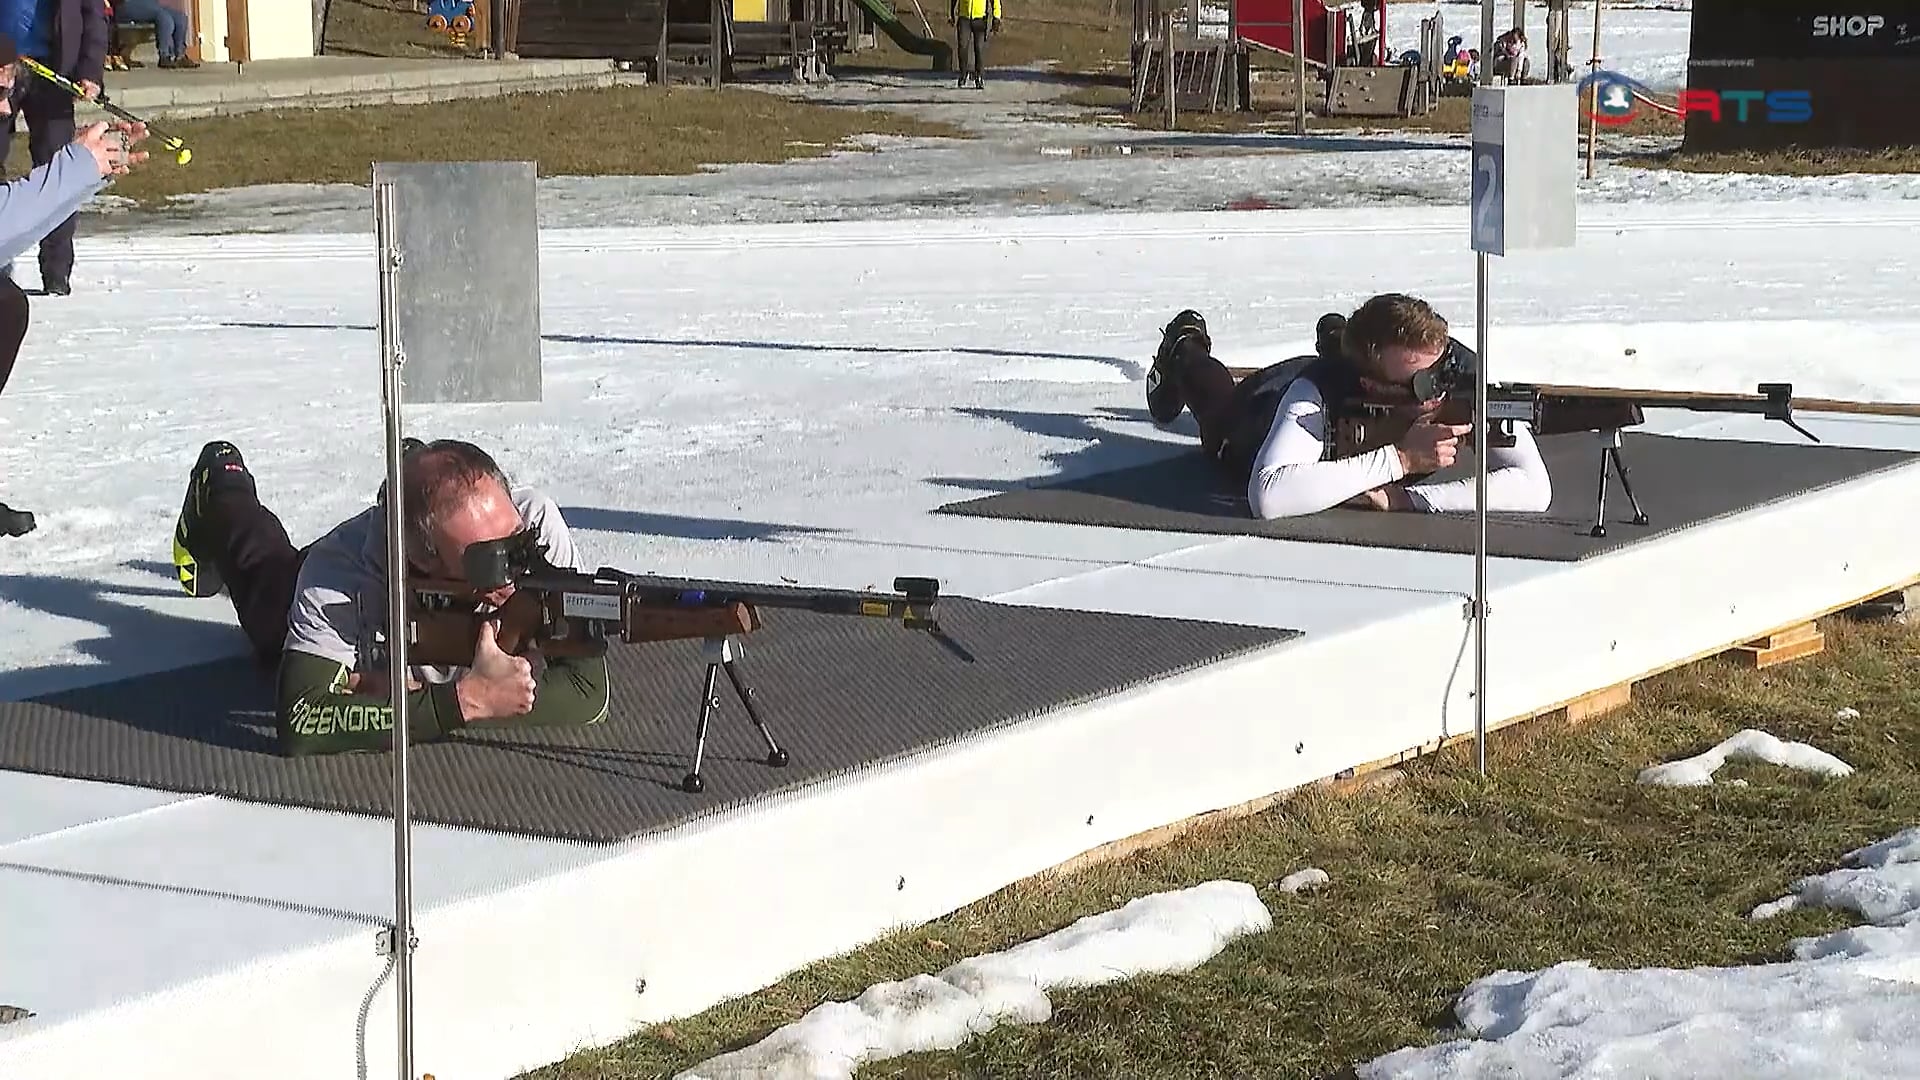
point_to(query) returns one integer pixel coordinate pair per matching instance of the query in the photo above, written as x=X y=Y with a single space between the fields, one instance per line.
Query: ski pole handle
x=181 y=153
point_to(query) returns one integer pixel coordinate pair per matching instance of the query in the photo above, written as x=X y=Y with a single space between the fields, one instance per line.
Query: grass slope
x=1436 y=881
x=618 y=131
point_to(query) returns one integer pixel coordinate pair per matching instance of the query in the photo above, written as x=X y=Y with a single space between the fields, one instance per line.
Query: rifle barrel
x=1709 y=402
x=912 y=599
x=1713 y=402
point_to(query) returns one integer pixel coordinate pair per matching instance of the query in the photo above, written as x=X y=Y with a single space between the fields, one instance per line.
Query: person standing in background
x=70 y=37
x=28 y=206
x=972 y=20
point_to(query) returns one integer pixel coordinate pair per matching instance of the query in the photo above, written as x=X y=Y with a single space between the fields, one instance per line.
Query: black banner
x=1799 y=29
x=1825 y=104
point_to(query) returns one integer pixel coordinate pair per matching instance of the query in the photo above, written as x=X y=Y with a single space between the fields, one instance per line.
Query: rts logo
x=1847 y=25
x=1617 y=99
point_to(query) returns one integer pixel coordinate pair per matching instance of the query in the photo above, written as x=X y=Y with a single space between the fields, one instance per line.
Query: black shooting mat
x=838 y=692
x=1680 y=482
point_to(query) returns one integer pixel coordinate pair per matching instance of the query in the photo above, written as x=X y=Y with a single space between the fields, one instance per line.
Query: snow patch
x=1166 y=932
x=1748 y=745
x=1880 y=882
x=1843 y=1007
x=1301 y=881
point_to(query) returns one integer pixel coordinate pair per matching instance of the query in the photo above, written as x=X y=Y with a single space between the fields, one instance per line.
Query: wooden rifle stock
x=571 y=614
x=446 y=629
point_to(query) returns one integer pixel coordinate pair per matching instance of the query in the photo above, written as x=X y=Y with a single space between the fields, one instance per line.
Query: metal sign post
x=1524 y=157
x=1489 y=224
x=400 y=941
x=458 y=252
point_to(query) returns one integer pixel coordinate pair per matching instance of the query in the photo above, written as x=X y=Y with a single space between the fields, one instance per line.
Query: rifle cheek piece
x=495 y=564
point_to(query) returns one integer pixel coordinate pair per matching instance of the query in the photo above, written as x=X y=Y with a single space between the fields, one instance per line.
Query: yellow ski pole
x=172 y=142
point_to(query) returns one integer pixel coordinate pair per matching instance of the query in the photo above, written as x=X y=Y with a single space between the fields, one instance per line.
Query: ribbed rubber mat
x=838 y=692
x=1680 y=483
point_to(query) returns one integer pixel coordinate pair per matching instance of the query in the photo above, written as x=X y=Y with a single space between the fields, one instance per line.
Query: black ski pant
x=1234 y=418
x=246 y=543
x=973 y=49
x=14 y=311
x=50 y=127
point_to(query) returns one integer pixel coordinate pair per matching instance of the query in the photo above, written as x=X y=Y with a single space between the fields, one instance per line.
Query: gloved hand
x=995 y=28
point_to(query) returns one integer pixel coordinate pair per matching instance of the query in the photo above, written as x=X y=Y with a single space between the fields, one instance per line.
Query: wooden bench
x=130 y=36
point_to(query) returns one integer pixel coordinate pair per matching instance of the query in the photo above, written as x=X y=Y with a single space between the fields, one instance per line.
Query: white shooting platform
x=166 y=936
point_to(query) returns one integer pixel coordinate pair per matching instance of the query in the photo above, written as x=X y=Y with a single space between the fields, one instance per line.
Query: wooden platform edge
x=1793 y=643
x=1381 y=772
x=1343 y=785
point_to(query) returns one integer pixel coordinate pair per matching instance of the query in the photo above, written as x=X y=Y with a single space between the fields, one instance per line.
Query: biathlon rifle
x=181 y=153
x=1561 y=410
x=566 y=613
x=1364 y=425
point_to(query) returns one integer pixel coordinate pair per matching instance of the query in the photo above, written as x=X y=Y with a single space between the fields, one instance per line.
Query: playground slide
x=890 y=25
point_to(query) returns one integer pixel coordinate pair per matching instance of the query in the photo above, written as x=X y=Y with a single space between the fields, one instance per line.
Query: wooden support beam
x=1600 y=703
x=1373 y=777
x=1793 y=643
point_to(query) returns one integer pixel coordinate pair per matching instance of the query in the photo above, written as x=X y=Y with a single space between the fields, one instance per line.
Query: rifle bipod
x=1610 y=453
x=719 y=653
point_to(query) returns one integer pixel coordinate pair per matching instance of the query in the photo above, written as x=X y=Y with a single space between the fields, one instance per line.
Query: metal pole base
x=720 y=656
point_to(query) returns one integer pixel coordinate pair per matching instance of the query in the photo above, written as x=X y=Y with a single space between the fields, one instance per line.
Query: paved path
x=342 y=80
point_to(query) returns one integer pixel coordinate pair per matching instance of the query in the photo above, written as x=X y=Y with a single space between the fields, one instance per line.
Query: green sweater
x=318 y=716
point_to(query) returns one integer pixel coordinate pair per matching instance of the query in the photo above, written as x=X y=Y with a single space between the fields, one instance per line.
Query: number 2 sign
x=1489 y=198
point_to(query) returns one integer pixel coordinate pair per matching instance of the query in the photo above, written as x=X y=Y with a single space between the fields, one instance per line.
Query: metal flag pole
x=1299 y=68
x=1480 y=440
x=391 y=358
x=1593 y=108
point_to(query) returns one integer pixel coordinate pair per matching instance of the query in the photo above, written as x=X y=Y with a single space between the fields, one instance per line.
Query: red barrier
x=1270 y=23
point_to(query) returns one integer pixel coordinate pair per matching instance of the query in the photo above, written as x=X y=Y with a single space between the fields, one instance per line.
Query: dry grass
x=1272 y=111
x=618 y=131
x=1107 y=101
x=1073 y=37
x=1794 y=162
x=1435 y=882
x=387 y=28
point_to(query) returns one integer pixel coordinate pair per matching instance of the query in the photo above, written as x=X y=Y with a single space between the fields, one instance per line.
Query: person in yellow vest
x=973 y=20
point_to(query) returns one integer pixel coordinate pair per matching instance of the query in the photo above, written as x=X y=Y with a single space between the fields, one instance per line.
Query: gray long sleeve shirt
x=31 y=206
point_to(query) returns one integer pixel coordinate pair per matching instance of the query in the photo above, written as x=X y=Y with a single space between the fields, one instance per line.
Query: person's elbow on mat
x=325 y=709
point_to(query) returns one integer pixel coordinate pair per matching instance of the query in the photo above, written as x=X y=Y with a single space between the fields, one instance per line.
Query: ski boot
x=1164 y=402
x=220 y=466
x=16 y=522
